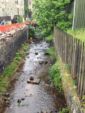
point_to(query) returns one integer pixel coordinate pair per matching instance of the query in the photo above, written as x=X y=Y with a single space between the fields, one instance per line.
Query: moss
x=11 y=68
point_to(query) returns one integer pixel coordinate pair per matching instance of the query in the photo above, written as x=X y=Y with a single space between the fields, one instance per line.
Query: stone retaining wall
x=10 y=42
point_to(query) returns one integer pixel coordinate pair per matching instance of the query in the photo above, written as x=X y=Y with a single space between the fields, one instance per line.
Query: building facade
x=11 y=7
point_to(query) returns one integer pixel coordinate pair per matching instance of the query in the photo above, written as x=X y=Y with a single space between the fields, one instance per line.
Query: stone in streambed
x=31 y=78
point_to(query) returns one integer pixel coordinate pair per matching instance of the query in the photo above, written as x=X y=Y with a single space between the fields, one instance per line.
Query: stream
x=26 y=97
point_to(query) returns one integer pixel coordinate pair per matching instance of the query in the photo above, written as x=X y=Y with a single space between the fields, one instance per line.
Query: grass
x=79 y=34
x=11 y=68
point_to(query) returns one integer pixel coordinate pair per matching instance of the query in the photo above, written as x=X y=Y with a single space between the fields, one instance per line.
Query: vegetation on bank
x=55 y=75
x=11 y=68
x=54 y=70
x=78 y=33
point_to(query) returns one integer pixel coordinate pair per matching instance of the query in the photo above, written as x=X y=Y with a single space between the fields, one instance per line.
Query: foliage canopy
x=52 y=12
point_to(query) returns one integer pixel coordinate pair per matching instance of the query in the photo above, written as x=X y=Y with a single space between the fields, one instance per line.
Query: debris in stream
x=48 y=112
x=46 y=62
x=31 y=80
x=19 y=101
x=46 y=53
x=36 y=53
x=41 y=62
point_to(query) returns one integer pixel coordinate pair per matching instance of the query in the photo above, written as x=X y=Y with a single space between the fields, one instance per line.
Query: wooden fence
x=79 y=14
x=72 y=52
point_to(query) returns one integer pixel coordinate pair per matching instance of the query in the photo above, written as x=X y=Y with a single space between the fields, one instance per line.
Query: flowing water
x=33 y=98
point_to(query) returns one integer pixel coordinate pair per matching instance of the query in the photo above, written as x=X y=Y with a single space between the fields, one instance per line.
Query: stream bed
x=26 y=97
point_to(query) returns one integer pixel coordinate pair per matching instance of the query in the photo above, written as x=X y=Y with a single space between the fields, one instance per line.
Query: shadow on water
x=33 y=98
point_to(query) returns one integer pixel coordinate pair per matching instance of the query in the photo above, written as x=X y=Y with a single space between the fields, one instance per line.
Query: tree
x=49 y=13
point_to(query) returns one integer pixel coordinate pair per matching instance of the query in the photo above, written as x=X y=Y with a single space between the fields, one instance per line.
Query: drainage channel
x=31 y=92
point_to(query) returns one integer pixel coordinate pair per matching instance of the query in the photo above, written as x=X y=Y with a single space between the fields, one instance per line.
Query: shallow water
x=33 y=98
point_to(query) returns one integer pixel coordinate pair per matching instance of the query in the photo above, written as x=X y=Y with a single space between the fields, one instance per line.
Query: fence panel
x=72 y=52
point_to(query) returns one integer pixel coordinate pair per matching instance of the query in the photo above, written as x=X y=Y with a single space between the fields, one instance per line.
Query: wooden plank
x=35 y=81
x=66 y=50
x=82 y=74
x=80 y=69
x=78 y=57
x=73 y=59
x=71 y=56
